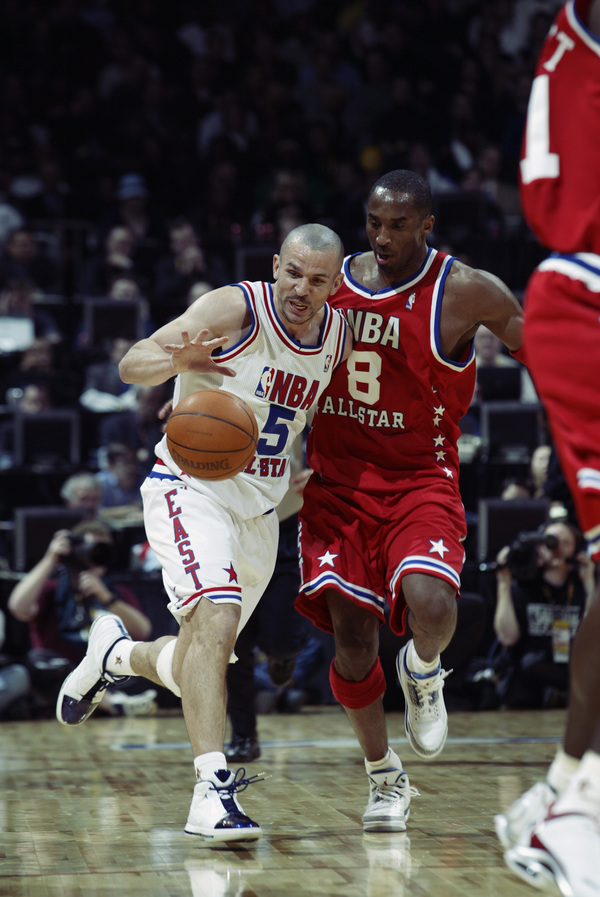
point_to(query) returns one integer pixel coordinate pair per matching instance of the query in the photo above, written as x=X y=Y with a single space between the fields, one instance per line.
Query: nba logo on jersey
x=411 y=301
x=264 y=384
x=327 y=364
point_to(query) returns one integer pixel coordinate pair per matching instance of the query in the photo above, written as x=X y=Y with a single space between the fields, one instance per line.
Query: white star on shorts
x=439 y=547
x=327 y=558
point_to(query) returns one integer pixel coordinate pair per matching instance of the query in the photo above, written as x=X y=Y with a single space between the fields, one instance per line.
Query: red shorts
x=363 y=545
x=562 y=340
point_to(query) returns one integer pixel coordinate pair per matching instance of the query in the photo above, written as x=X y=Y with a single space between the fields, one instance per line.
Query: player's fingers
x=213 y=343
x=165 y=410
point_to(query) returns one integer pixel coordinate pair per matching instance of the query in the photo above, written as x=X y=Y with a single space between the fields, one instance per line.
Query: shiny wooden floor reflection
x=99 y=810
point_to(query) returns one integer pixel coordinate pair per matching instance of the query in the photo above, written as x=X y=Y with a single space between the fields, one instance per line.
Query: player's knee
x=433 y=607
x=355 y=695
x=355 y=630
x=164 y=667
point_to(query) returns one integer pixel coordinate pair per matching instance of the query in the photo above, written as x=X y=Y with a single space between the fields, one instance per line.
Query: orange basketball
x=212 y=434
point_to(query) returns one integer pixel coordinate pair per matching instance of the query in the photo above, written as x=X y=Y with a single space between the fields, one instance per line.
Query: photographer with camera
x=543 y=587
x=61 y=596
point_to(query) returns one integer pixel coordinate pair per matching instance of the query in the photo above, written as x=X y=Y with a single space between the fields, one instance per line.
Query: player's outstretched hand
x=196 y=354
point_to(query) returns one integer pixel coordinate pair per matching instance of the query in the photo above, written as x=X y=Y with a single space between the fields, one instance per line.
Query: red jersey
x=393 y=407
x=560 y=174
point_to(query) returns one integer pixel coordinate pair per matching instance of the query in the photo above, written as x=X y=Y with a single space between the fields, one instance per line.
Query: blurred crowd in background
x=150 y=151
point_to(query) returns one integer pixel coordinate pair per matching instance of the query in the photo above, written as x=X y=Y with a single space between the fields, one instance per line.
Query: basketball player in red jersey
x=383 y=519
x=552 y=832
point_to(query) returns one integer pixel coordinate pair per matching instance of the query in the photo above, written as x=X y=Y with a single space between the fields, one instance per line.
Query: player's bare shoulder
x=224 y=312
x=363 y=269
x=472 y=297
x=467 y=286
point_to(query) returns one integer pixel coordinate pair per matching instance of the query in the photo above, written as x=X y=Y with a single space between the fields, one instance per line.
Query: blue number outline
x=274 y=427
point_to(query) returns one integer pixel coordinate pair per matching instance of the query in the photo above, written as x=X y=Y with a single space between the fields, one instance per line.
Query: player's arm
x=500 y=310
x=474 y=297
x=187 y=342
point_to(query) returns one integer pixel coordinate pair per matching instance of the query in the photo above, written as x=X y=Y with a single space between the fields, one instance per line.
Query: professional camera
x=522 y=559
x=84 y=555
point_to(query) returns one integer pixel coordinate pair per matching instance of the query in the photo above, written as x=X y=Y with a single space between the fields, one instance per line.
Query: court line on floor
x=345 y=743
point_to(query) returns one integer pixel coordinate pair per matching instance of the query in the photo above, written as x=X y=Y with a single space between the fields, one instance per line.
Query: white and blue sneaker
x=216 y=813
x=82 y=690
x=388 y=807
x=425 y=716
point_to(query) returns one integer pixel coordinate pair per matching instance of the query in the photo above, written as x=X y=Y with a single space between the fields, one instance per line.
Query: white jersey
x=281 y=381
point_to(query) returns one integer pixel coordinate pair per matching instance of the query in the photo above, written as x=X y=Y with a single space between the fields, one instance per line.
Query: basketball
x=212 y=434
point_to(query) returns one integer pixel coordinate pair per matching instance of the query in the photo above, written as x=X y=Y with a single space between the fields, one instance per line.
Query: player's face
x=397 y=233
x=304 y=280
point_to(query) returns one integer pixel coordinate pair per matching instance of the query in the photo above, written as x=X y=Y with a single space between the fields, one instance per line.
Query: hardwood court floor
x=99 y=810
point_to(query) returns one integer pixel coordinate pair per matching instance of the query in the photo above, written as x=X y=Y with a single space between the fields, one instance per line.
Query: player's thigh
x=424 y=554
x=340 y=550
x=257 y=554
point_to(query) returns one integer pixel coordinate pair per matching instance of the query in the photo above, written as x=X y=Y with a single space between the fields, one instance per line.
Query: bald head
x=316 y=238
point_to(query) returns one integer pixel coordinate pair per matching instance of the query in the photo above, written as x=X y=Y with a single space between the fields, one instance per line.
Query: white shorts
x=204 y=550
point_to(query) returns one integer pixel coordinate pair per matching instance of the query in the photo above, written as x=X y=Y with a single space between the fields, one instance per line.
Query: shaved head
x=315 y=237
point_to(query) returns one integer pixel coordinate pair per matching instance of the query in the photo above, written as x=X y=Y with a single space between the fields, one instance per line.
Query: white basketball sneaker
x=515 y=825
x=390 y=793
x=216 y=813
x=425 y=716
x=82 y=690
x=563 y=853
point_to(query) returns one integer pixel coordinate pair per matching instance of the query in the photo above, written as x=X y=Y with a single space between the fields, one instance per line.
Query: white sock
x=207 y=764
x=118 y=660
x=391 y=759
x=416 y=665
x=561 y=771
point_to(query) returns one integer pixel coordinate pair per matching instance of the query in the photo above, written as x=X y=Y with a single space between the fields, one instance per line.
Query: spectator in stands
x=82 y=492
x=34 y=397
x=134 y=210
x=61 y=596
x=22 y=260
x=139 y=428
x=104 y=390
x=39 y=363
x=17 y=299
x=121 y=479
x=177 y=271
x=116 y=259
x=496 y=186
x=543 y=589
x=489 y=352
x=538 y=470
x=514 y=488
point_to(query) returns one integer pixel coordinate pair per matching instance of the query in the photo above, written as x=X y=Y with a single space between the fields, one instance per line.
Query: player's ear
x=276 y=266
x=339 y=279
x=428 y=224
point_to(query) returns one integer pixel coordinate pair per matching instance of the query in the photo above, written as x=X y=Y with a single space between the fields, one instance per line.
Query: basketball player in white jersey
x=276 y=346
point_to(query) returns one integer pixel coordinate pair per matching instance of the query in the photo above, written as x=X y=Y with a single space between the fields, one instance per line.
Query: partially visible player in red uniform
x=552 y=832
x=382 y=519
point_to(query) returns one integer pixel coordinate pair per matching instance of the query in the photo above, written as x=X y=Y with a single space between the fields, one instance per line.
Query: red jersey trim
x=252 y=333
